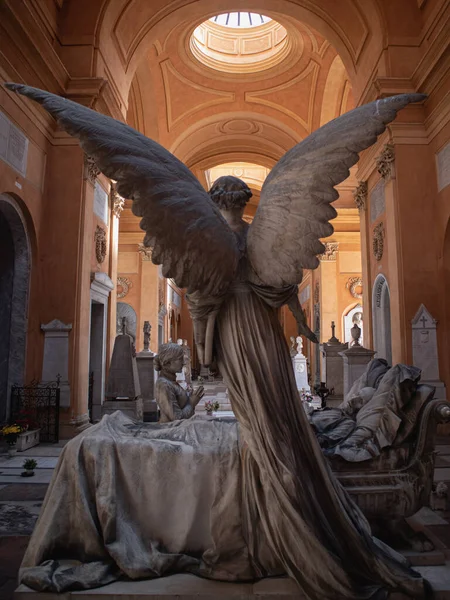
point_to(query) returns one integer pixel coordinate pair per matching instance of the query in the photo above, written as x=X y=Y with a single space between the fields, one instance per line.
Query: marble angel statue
x=236 y=277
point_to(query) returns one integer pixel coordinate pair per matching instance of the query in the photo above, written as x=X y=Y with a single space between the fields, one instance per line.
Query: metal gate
x=42 y=405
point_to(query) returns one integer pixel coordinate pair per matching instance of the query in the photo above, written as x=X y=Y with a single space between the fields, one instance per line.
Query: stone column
x=118 y=204
x=146 y=372
x=355 y=361
x=149 y=295
x=328 y=288
x=56 y=358
x=101 y=287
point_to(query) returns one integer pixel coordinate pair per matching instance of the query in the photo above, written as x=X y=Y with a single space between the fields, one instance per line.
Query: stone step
x=189 y=587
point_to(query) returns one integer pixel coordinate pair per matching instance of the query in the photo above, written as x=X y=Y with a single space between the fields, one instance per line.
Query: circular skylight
x=240 y=42
x=240 y=19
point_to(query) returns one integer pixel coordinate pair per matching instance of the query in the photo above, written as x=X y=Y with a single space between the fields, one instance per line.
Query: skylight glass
x=240 y=19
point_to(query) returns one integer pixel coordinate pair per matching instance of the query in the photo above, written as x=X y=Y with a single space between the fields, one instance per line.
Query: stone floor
x=21 y=500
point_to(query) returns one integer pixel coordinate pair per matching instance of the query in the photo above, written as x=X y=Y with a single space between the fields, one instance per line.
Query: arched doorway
x=15 y=267
x=381 y=318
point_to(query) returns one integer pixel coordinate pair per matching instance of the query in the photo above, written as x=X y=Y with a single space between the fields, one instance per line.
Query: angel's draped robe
x=307 y=524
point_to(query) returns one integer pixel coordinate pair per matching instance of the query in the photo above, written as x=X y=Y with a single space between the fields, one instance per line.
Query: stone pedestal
x=131 y=408
x=425 y=350
x=56 y=358
x=146 y=372
x=301 y=372
x=334 y=370
x=355 y=361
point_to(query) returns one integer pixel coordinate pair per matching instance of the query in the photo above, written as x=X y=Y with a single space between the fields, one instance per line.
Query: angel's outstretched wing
x=295 y=205
x=188 y=235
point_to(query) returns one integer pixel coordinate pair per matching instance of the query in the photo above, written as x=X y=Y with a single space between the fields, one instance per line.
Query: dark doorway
x=6 y=294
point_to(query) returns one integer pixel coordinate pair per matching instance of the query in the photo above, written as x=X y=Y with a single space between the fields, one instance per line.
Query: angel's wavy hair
x=230 y=192
x=166 y=354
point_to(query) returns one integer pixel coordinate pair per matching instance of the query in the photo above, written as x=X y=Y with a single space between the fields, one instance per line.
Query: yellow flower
x=11 y=429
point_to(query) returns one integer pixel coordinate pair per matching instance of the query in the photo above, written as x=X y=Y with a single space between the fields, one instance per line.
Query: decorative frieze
x=100 y=244
x=145 y=252
x=360 y=195
x=385 y=162
x=118 y=203
x=378 y=241
x=91 y=171
x=352 y=284
x=331 y=249
x=124 y=284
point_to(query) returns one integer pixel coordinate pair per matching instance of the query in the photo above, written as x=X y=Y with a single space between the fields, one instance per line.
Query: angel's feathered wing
x=295 y=205
x=188 y=235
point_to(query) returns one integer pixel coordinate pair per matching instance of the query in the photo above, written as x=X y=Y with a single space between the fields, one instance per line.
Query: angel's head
x=170 y=358
x=230 y=193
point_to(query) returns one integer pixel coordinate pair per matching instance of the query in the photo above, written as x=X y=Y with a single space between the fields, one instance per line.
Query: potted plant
x=29 y=466
x=11 y=433
x=211 y=406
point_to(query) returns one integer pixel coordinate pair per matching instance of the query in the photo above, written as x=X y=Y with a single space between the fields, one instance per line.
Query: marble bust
x=173 y=401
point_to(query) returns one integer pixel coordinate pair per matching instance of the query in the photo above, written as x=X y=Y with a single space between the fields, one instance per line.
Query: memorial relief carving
x=123 y=287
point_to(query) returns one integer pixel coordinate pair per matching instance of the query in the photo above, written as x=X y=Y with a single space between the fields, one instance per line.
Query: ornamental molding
x=352 y=284
x=100 y=244
x=125 y=284
x=118 y=202
x=386 y=162
x=331 y=249
x=90 y=169
x=378 y=241
x=145 y=252
x=316 y=293
x=360 y=195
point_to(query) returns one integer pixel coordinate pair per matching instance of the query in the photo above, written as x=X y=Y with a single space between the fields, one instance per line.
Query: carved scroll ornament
x=378 y=241
x=360 y=195
x=330 y=253
x=385 y=162
x=100 y=244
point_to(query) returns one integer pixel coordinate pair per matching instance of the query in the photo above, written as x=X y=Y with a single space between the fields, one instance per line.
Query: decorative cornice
x=117 y=201
x=125 y=284
x=360 y=195
x=352 y=284
x=331 y=249
x=385 y=162
x=378 y=241
x=145 y=252
x=91 y=171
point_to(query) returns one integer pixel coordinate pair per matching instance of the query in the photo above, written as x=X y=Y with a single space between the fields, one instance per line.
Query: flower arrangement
x=26 y=419
x=212 y=405
x=306 y=396
x=11 y=433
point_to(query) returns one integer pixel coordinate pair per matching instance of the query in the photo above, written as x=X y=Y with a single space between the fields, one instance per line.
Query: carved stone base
x=132 y=408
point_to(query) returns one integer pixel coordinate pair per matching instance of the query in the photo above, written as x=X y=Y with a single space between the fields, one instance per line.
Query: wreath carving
x=125 y=284
x=352 y=284
x=378 y=241
x=100 y=244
